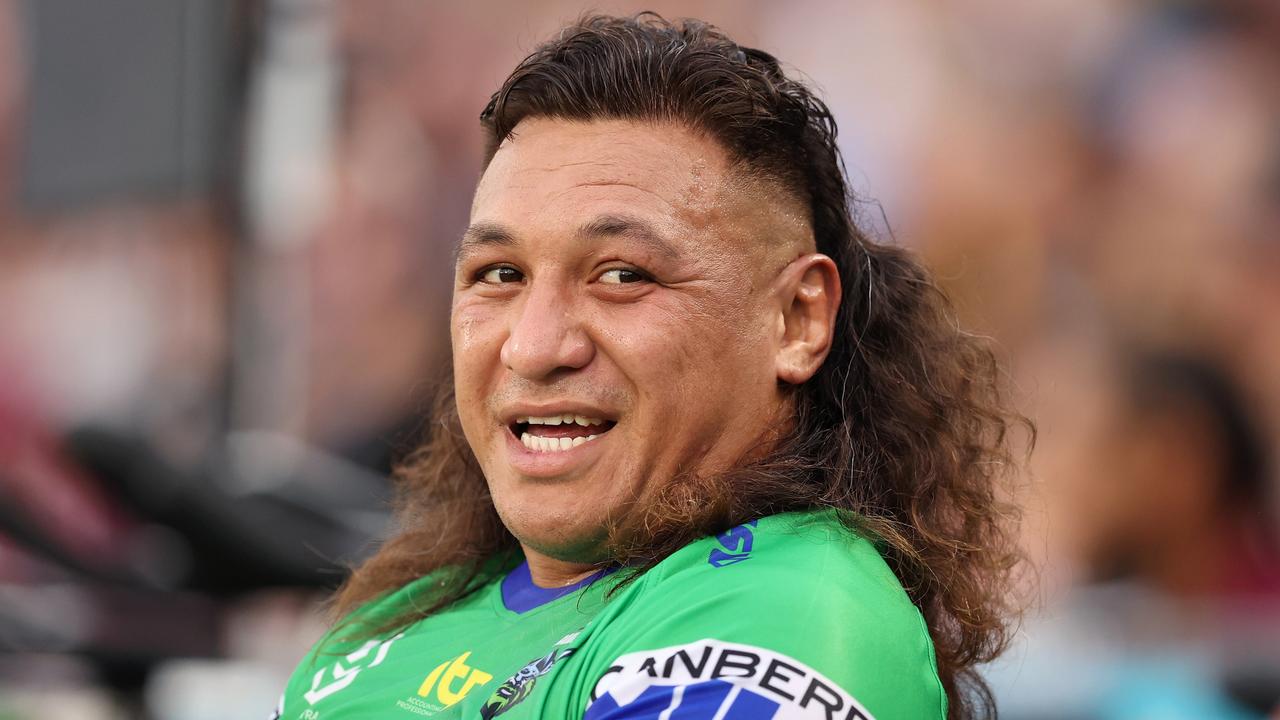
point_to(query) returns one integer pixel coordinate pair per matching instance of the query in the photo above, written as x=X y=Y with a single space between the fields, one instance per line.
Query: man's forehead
x=677 y=181
x=545 y=156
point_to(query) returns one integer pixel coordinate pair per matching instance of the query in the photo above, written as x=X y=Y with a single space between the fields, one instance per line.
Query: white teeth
x=546 y=444
x=567 y=419
x=538 y=443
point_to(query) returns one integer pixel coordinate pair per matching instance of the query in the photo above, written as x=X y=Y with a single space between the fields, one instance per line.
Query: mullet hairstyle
x=905 y=425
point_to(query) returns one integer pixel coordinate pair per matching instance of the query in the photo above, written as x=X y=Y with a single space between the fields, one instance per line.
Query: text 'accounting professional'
x=708 y=451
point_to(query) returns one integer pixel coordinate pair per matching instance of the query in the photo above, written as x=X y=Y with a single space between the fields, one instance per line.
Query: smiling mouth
x=557 y=433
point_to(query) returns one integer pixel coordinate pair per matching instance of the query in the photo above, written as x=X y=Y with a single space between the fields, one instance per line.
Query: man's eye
x=501 y=274
x=618 y=276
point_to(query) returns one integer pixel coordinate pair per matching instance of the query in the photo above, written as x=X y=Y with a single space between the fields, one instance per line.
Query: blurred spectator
x=1184 y=504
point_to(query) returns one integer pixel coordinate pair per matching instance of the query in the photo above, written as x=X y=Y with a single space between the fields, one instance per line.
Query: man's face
x=615 y=321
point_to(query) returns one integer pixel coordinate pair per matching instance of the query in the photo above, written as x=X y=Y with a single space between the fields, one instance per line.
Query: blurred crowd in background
x=225 y=240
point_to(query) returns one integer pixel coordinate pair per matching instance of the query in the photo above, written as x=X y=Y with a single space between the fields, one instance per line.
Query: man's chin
x=556 y=541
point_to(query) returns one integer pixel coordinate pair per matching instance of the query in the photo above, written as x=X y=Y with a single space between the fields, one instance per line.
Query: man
x=708 y=452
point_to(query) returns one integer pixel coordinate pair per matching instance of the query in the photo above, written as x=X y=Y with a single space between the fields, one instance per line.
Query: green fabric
x=799 y=615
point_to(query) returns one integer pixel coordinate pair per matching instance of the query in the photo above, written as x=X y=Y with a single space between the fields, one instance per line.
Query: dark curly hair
x=904 y=425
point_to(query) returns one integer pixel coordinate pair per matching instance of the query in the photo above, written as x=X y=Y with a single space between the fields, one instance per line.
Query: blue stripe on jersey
x=701 y=700
x=697 y=701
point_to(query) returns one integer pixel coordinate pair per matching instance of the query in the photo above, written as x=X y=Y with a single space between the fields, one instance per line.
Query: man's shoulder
x=402 y=610
x=811 y=555
x=805 y=571
x=797 y=609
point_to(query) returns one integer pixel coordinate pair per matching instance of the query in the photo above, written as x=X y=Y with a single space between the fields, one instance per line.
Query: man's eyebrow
x=629 y=227
x=487 y=233
x=483 y=233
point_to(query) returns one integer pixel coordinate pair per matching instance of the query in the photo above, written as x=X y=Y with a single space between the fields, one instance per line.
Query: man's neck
x=549 y=572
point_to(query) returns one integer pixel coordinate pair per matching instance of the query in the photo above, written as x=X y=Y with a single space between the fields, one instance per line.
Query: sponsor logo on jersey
x=713 y=679
x=735 y=546
x=518 y=686
x=446 y=685
x=344 y=671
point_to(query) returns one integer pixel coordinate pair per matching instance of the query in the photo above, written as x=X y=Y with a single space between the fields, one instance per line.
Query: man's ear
x=809 y=294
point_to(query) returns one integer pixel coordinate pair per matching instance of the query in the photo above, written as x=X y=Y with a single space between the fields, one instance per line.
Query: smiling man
x=707 y=451
x=624 y=310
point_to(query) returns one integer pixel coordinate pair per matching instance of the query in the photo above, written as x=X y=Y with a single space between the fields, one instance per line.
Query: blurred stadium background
x=224 y=279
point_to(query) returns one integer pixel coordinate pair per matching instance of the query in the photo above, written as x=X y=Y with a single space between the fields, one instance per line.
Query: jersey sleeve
x=766 y=622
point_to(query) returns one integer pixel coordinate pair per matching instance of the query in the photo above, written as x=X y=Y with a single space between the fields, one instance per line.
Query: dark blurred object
x=301 y=530
x=1255 y=688
x=121 y=631
x=1194 y=519
x=1165 y=384
x=172 y=552
x=126 y=99
x=134 y=520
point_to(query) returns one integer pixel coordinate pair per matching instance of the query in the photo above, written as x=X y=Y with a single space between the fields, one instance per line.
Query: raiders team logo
x=518 y=686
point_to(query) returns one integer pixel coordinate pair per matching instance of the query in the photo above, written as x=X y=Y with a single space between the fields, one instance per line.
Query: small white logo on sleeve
x=371 y=654
x=710 y=679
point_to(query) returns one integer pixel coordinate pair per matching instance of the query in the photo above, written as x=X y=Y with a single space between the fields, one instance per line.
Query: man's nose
x=545 y=336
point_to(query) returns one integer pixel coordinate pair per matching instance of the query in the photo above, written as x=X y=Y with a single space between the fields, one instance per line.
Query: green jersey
x=791 y=616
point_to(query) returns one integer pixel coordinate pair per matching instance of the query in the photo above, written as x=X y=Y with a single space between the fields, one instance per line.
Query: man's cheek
x=475 y=327
x=665 y=343
x=477 y=432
